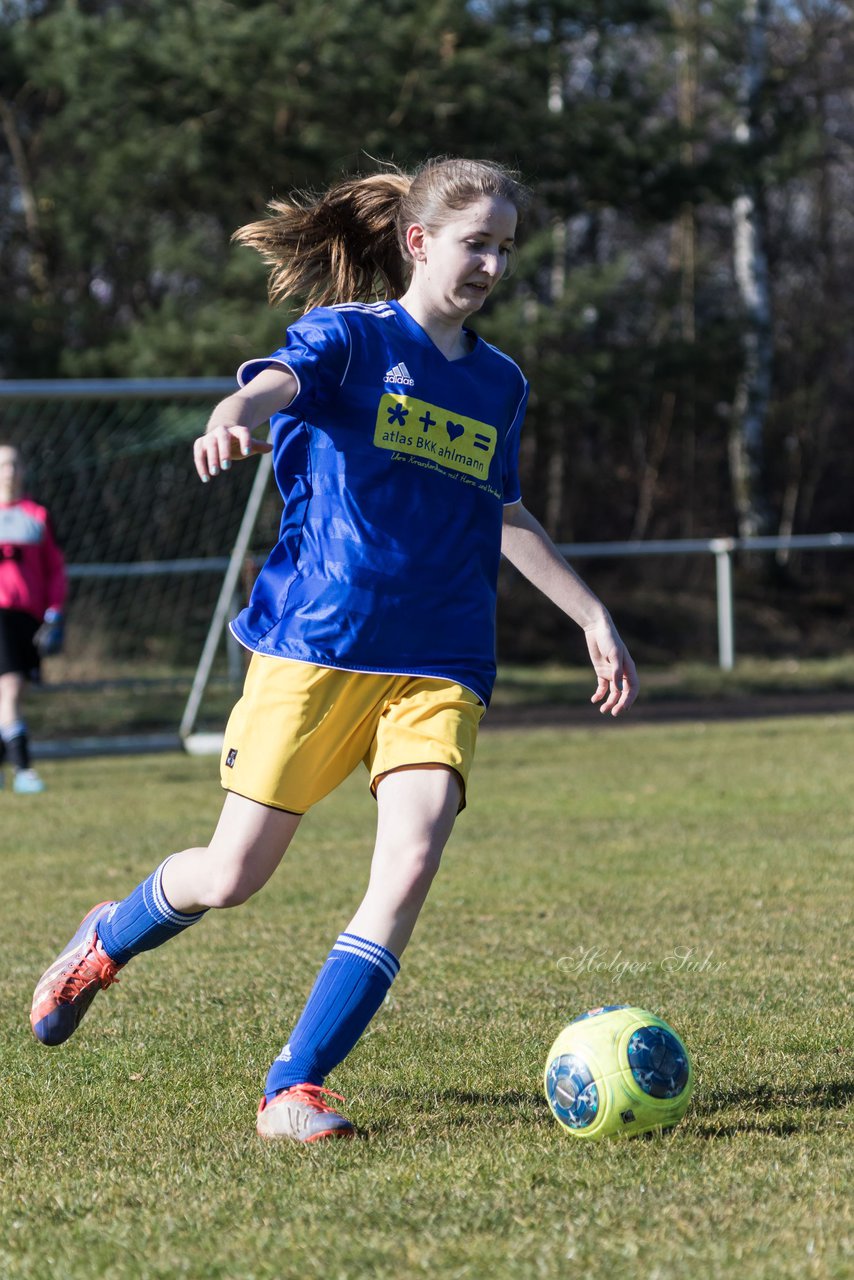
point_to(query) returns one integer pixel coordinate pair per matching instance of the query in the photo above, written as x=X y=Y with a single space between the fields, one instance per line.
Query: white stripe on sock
x=389 y=972
x=376 y=947
x=383 y=959
x=164 y=907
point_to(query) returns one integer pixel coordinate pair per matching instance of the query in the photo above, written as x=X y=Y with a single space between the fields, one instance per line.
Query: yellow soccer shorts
x=299 y=730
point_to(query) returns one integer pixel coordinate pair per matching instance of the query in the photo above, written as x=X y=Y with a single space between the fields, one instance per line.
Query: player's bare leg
x=416 y=809
x=247 y=846
x=11 y=688
x=14 y=743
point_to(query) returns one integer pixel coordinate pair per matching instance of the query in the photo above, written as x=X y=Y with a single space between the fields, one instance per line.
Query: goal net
x=149 y=552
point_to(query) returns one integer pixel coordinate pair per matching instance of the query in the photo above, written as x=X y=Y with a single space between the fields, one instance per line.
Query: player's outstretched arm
x=228 y=436
x=529 y=549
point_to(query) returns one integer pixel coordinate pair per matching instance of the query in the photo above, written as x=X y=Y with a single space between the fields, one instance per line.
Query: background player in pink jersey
x=32 y=597
x=395 y=434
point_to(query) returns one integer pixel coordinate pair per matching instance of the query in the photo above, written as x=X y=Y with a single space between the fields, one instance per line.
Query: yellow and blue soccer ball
x=618 y=1071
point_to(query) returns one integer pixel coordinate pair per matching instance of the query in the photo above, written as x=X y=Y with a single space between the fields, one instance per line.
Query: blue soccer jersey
x=394 y=464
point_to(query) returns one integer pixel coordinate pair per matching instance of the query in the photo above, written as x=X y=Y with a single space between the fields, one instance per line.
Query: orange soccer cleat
x=67 y=988
x=300 y=1113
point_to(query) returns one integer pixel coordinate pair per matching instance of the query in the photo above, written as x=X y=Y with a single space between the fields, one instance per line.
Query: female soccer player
x=32 y=595
x=395 y=433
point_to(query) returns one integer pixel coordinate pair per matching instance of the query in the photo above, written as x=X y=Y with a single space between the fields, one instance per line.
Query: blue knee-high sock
x=142 y=921
x=349 y=989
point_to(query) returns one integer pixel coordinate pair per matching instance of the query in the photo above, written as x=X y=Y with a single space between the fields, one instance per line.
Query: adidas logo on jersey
x=400 y=375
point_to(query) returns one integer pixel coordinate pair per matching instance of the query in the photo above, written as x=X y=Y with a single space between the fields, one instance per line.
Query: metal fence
x=723 y=549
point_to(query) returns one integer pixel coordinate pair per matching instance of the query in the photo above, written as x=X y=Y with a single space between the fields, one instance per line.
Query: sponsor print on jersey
x=427 y=431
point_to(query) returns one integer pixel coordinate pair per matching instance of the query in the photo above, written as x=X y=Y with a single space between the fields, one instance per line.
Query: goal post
x=209 y=743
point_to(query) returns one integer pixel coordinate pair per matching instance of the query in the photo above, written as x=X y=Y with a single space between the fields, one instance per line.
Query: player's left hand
x=51 y=634
x=615 y=670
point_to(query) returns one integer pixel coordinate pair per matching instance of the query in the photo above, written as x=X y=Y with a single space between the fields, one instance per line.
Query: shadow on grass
x=763 y=1108
x=510 y=1098
x=467 y=1108
x=766 y=1108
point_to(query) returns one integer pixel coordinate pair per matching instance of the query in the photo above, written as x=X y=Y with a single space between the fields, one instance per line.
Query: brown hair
x=349 y=244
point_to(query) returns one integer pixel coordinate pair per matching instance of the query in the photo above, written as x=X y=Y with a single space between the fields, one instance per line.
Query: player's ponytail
x=338 y=247
x=349 y=245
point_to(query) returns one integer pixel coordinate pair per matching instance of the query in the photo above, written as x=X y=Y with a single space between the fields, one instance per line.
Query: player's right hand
x=221 y=445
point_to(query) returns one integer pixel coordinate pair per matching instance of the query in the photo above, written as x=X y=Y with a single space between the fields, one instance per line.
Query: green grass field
x=703 y=871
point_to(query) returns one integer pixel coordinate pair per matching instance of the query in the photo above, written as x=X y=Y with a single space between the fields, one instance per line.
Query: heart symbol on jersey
x=454 y=430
